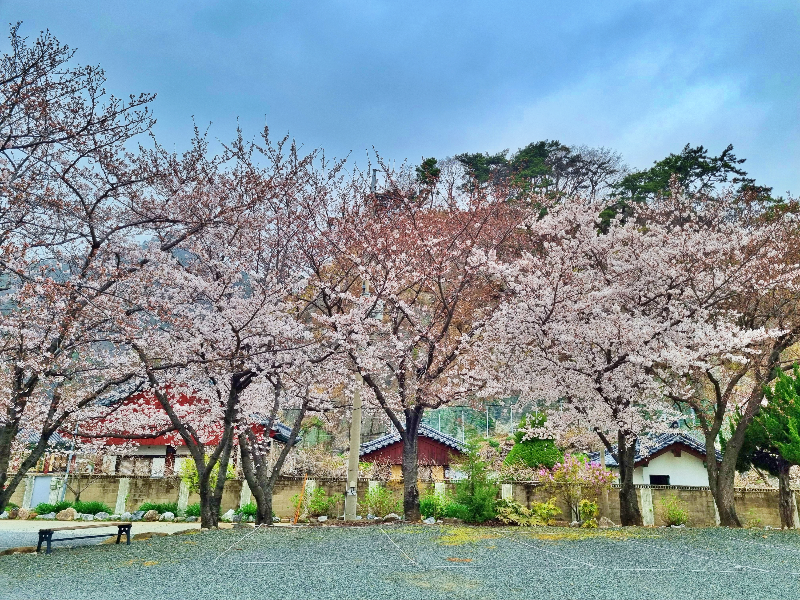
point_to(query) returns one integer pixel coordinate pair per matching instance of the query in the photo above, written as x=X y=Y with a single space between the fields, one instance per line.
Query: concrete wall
x=755 y=507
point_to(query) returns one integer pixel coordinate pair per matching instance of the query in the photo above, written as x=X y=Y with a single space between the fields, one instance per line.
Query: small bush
x=540 y=513
x=162 y=507
x=91 y=508
x=190 y=476
x=193 y=510
x=589 y=512
x=319 y=503
x=248 y=510
x=673 y=511
x=432 y=504
x=44 y=508
x=316 y=504
x=478 y=492
x=456 y=510
x=10 y=506
x=381 y=501
x=546 y=512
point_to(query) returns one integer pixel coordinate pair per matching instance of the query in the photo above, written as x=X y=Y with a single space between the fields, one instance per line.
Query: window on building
x=659 y=479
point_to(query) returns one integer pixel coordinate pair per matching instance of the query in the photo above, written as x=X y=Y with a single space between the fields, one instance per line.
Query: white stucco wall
x=685 y=469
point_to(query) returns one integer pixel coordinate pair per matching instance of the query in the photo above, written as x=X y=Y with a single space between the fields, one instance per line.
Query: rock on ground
x=68 y=514
x=167 y=516
x=605 y=523
x=87 y=517
x=4 y=514
x=23 y=514
x=391 y=517
x=126 y=516
x=150 y=515
x=430 y=521
x=102 y=516
x=322 y=519
x=228 y=516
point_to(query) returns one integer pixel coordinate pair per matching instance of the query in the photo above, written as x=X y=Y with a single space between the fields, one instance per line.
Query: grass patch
x=559 y=534
x=458 y=536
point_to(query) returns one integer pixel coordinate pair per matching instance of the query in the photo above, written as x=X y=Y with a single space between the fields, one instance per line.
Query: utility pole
x=351 y=494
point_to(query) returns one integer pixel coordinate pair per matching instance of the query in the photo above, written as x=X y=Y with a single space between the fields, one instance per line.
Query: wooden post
x=604 y=495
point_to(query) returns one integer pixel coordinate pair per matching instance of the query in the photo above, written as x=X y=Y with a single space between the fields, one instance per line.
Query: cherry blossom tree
x=218 y=329
x=396 y=288
x=725 y=387
x=598 y=319
x=72 y=199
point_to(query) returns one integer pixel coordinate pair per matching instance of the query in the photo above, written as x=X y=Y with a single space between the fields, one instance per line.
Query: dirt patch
x=20 y=550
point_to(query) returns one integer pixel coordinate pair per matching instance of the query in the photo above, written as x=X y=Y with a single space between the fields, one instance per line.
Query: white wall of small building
x=685 y=469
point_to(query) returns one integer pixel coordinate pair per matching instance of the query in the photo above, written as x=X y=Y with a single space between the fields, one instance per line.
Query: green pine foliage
x=772 y=440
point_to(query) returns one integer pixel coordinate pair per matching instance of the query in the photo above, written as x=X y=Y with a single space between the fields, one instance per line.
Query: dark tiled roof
x=656 y=444
x=31 y=438
x=424 y=430
x=281 y=431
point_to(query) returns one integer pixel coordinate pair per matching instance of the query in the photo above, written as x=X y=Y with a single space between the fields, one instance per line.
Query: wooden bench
x=46 y=535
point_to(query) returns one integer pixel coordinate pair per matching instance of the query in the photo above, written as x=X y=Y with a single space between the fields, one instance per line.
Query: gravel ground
x=416 y=561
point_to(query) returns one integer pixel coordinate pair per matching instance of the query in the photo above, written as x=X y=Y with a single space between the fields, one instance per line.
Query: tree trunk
x=264 y=507
x=410 y=491
x=260 y=475
x=721 y=477
x=209 y=518
x=785 y=497
x=629 y=513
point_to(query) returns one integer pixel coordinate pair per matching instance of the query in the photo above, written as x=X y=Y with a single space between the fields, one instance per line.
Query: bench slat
x=110 y=524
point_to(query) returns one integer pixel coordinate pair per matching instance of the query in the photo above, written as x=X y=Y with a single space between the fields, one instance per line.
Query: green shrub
x=91 y=508
x=316 y=504
x=540 y=513
x=319 y=503
x=9 y=507
x=193 y=510
x=189 y=475
x=44 y=508
x=673 y=511
x=455 y=510
x=248 y=510
x=588 y=512
x=162 y=507
x=432 y=504
x=533 y=453
x=380 y=502
x=478 y=493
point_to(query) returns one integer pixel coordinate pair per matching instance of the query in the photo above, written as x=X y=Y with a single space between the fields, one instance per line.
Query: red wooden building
x=434 y=449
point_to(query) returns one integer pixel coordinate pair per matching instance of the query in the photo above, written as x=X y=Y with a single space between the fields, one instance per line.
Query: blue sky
x=437 y=78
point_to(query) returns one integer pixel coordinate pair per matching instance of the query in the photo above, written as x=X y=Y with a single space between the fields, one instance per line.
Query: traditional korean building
x=435 y=450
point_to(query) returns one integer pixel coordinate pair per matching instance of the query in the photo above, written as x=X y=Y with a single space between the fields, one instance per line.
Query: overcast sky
x=437 y=78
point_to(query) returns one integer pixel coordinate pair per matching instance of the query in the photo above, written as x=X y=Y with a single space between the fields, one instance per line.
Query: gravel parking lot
x=417 y=561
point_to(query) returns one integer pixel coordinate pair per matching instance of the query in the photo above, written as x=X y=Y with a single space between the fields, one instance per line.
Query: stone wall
x=756 y=507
